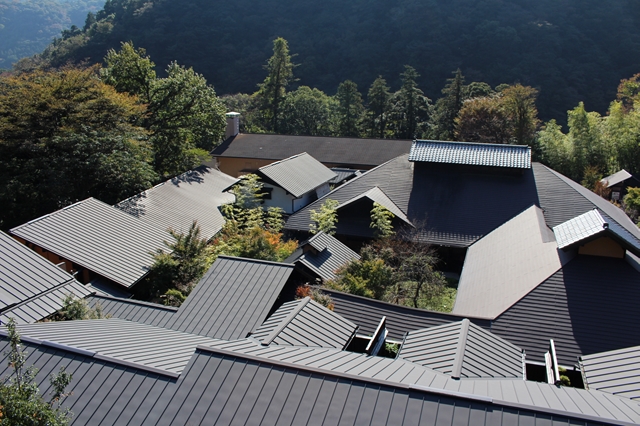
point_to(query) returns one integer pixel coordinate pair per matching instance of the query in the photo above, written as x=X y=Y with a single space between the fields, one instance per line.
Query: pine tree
x=448 y=107
x=378 y=108
x=350 y=109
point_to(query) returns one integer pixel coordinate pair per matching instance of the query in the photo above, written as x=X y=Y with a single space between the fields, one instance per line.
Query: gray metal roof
x=31 y=287
x=616 y=372
x=330 y=255
x=305 y=323
x=343 y=174
x=221 y=387
x=616 y=178
x=98 y=237
x=591 y=224
x=376 y=195
x=366 y=313
x=434 y=196
x=476 y=154
x=128 y=341
x=588 y=306
x=506 y=264
x=462 y=349
x=298 y=174
x=337 y=152
x=176 y=203
x=132 y=310
x=232 y=299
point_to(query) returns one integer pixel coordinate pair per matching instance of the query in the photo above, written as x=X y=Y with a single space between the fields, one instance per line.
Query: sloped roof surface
x=506 y=264
x=219 y=387
x=343 y=174
x=99 y=237
x=176 y=203
x=616 y=178
x=305 y=323
x=588 y=306
x=298 y=174
x=349 y=152
x=591 y=224
x=31 y=287
x=434 y=198
x=131 y=310
x=332 y=254
x=462 y=349
x=232 y=299
x=376 y=195
x=128 y=341
x=616 y=372
x=476 y=154
x=366 y=313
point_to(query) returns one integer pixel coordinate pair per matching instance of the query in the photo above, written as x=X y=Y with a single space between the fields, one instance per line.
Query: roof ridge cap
x=460 y=349
x=249 y=260
x=285 y=322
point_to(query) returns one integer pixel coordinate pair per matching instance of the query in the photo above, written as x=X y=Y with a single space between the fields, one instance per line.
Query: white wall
x=279 y=198
x=323 y=190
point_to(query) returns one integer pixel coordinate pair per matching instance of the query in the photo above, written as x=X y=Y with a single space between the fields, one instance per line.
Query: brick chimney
x=233 y=124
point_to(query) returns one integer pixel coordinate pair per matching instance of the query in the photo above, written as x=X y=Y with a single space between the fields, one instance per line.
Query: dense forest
x=28 y=26
x=570 y=51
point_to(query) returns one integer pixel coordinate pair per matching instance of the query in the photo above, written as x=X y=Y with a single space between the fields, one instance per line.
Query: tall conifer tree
x=273 y=89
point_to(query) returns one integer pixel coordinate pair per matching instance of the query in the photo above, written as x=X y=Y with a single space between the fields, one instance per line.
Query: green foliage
x=316 y=295
x=274 y=221
x=564 y=379
x=410 y=110
x=74 y=309
x=325 y=219
x=272 y=91
x=248 y=192
x=350 y=109
x=181 y=265
x=129 y=70
x=173 y=297
x=448 y=106
x=186 y=119
x=381 y=219
x=631 y=203
x=20 y=399
x=58 y=125
x=378 y=105
x=307 y=111
x=389 y=350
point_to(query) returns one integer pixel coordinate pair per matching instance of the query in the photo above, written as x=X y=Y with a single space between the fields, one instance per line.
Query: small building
x=245 y=153
x=294 y=182
x=618 y=183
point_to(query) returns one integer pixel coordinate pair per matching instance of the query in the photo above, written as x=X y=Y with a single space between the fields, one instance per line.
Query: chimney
x=233 y=124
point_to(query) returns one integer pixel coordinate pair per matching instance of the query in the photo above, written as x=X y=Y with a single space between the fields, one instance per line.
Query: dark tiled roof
x=331 y=255
x=462 y=349
x=305 y=323
x=298 y=174
x=222 y=387
x=176 y=203
x=616 y=372
x=435 y=196
x=153 y=347
x=99 y=237
x=31 y=287
x=366 y=313
x=233 y=298
x=474 y=154
x=346 y=152
x=588 y=306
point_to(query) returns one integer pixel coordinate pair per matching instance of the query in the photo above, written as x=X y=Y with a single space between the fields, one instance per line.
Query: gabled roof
x=616 y=372
x=298 y=174
x=232 y=299
x=146 y=345
x=330 y=255
x=367 y=312
x=588 y=306
x=131 y=309
x=616 y=178
x=462 y=349
x=223 y=387
x=305 y=323
x=343 y=174
x=376 y=195
x=506 y=264
x=590 y=225
x=98 y=237
x=176 y=203
x=476 y=154
x=435 y=199
x=345 y=152
x=31 y=287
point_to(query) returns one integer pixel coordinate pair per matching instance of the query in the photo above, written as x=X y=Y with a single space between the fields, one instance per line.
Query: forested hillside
x=571 y=50
x=28 y=26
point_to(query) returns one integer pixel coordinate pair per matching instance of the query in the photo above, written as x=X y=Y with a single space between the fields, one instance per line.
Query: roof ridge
x=248 y=260
x=285 y=321
x=51 y=290
x=275 y=163
x=460 y=349
x=474 y=143
x=37 y=219
x=135 y=302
